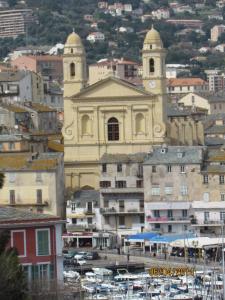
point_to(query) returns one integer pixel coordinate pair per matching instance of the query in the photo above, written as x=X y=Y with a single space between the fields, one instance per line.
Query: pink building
x=50 y=66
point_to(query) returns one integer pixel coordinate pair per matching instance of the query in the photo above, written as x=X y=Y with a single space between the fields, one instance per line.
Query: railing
x=167 y=219
x=113 y=210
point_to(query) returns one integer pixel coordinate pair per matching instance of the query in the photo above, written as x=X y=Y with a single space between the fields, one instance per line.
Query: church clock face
x=152 y=84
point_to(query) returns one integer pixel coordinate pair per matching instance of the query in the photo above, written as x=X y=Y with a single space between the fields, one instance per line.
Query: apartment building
x=38 y=240
x=47 y=65
x=122 y=193
x=216 y=32
x=186 y=85
x=172 y=181
x=32 y=117
x=13 y=22
x=215 y=80
x=184 y=190
x=83 y=211
x=21 y=86
x=33 y=181
x=121 y=68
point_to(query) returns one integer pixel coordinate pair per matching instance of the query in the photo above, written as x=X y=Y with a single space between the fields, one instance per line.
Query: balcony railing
x=122 y=190
x=167 y=219
x=207 y=222
x=113 y=211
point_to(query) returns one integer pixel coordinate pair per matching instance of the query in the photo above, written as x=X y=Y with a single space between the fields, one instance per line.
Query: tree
x=12 y=3
x=12 y=280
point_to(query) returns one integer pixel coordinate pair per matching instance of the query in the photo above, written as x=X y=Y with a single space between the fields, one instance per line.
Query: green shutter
x=43 y=242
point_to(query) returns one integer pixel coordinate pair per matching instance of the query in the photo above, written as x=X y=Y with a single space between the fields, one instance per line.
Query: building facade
x=134 y=121
x=122 y=193
x=33 y=181
x=38 y=240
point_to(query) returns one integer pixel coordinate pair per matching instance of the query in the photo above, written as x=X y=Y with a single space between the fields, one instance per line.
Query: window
x=206 y=197
x=155 y=191
x=157 y=226
x=11 y=146
x=141 y=205
x=182 y=168
x=89 y=207
x=44 y=271
x=73 y=206
x=222 y=196
x=89 y=221
x=151 y=65
x=205 y=179
x=168 y=190
x=139 y=183
x=113 y=129
x=222 y=215
x=206 y=216
x=38 y=177
x=221 y=179
x=121 y=184
x=183 y=190
x=121 y=206
x=12 y=197
x=184 y=213
x=39 y=196
x=121 y=220
x=169 y=213
x=18 y=240
x=119 y=167
x=106 y=203
x=12 y=177
x=170 y=228
x=104 y=168
x=156 y=213
x=72 y=69
x=42 y=242
x=105 y=184
x=153 y=169
x=74 y=221
x=169 y=169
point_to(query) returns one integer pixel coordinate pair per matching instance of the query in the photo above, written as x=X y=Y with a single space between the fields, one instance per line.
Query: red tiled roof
x=186 y=81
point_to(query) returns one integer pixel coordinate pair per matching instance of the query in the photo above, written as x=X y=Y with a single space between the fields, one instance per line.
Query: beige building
x=110 y=116
x=216 y=32
x=33 y=181
x=186 y=85
x=121 y=68
x=184 y=190
x=195 y=101
x=122 y=193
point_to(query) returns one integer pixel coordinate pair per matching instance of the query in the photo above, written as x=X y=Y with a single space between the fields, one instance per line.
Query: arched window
x=85 y=125
x=113 y=129
x=140 y=123
x=151 y=65
x=72 y=69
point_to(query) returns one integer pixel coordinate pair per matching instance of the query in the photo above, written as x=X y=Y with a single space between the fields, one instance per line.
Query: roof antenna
x=73 y=30
x=152 y=26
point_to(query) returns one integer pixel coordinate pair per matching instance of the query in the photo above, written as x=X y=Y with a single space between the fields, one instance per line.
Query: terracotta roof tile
x=186 y=81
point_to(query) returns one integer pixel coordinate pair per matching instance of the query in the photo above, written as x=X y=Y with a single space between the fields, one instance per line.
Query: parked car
x=92 y=256
x=80 y=255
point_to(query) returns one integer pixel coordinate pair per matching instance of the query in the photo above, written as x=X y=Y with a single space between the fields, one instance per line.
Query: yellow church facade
x=112 y=115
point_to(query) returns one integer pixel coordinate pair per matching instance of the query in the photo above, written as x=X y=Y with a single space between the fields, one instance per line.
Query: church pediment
x=111 y=87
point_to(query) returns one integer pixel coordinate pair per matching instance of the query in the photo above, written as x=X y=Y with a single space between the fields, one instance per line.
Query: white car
x=80 y=255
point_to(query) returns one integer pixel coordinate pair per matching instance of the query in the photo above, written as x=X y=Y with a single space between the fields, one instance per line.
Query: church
x=113 y=116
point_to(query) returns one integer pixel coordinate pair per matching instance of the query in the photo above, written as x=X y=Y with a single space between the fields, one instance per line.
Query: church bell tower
x=74 y=65
x=154 y=69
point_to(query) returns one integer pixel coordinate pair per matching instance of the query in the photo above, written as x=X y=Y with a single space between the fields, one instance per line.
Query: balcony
x=122 y=190
x=168 y=220
x=204 y=223
x=75 y=227
x=114 y=211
